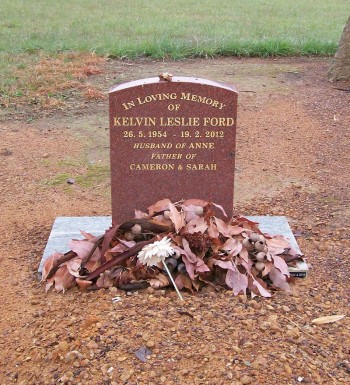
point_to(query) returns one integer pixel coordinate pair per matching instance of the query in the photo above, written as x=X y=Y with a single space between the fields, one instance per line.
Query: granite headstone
x=173 y=139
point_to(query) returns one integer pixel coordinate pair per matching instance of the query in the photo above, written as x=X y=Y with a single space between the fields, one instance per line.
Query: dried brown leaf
x=159 y=281
x=221 y=208
x=190 y=266
x=228 y=265
x=277 y=244
x=195 y=202
x=140 y=214
x=278 y=279
x=90 y=237
x=247 y=224
x=244 y=255
x=233 y=246
x=82 y=283
x=268 y=266
x=187 y=282
x=237 y=281
x=179 y=282
x=190 y=213
x=92 y=265
x=327 y=319
x=196 y=284
x=161 y=205
x=83 y=248
x=198 y=225
x=119 y=248
x=213 y=230
x=236 y=230
x=62 y=280
x=188 y=252
x=257 y=286
x=73 y=266
x=108 y=237
x=192 y=262
x=105 y=280
x=223 y=228
x=176 y=217
x=280 y=264
x=48 y=264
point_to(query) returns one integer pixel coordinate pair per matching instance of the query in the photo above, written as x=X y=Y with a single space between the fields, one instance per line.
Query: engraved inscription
x=171 y=139
x=187 y=96
x=166 y=127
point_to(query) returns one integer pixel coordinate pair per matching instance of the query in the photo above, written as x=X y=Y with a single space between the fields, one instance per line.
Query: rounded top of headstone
x=174 y=80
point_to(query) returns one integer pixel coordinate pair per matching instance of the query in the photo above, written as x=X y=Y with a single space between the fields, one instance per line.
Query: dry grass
x=91 y=93
x=48 y=82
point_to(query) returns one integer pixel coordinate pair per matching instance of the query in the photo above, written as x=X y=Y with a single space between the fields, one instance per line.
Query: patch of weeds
x=95 y=175
x=21 y=66
x=91 y=93
x=47 y=81
x=18 y=93
x=69 y=162
x=57 y=180
x=57 y=96
x=45 y=162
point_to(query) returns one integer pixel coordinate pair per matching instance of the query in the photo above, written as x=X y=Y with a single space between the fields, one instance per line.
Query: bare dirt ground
x=292 y=159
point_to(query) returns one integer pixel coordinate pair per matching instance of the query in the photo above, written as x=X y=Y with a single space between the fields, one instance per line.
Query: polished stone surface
x=171 y=139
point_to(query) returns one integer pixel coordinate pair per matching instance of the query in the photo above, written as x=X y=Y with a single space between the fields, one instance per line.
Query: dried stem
x=70 y=255
x=146 y=224
x=290 y=258
x=65 y=258
x=172 y=281
x=134 y=285
x=303 y=331
x=119 y=259
x=88 y=257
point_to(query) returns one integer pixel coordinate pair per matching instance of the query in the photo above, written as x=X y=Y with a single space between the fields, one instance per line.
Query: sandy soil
x=292 y=159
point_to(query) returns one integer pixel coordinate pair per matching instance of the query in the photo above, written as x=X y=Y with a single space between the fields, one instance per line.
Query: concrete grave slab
x=66 y=228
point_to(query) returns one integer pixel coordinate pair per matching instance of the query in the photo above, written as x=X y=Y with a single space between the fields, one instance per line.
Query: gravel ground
x=293 y=160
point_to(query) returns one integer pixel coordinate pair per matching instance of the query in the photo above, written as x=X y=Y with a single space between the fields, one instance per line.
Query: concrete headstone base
x=66 y=228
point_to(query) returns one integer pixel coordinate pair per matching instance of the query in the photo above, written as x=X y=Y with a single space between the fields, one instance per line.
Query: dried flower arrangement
x=183 y=243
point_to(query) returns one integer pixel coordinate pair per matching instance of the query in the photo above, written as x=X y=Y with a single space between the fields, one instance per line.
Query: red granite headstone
x=171 y=139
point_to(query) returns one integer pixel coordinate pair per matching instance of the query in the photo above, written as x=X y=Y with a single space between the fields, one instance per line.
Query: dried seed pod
x=177 y=254
x=265 y=249
x=260 y=257
x=259 y=246
x=248 y=244
x=129 y=236
x=254 y=237
x=171 y=263
x=260 y=266
x=181 y=268
x=165 y=76
x=252 y=256
x=136 y=229
x=262 y=238
x=198 y=210
x=166 y=214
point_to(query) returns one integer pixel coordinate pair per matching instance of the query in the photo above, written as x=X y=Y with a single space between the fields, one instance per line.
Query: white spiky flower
x=155 y=252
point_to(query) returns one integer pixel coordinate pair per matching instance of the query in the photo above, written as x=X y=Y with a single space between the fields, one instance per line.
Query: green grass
x=59 y=179
x=173 y=29
x=92 y=176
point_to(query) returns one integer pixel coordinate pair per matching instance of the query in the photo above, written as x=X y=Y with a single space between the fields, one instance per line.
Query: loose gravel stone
x=245 y=380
